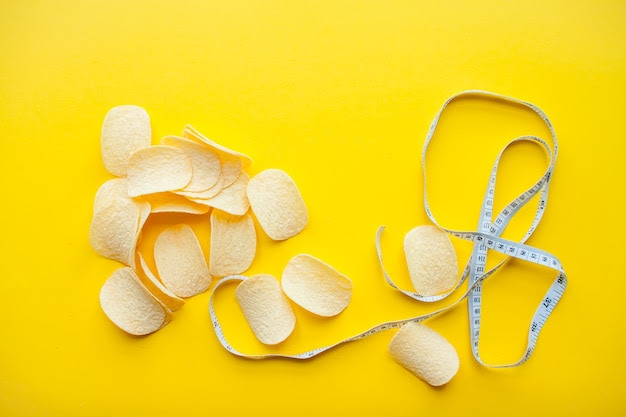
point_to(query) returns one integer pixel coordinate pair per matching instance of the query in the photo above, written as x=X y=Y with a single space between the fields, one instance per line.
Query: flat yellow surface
x=340 y=95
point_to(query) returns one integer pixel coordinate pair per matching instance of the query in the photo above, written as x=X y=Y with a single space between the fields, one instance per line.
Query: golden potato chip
x=233 y=243
x=425 y=353
x=117 y=217
x=277 y=204
x=205 y=163
x=266 y=308
x=168 y=202
x=156 y=169
x=125 y=130
x=180 y=262
x=130 y=306
x=114 y=229
x=232 y=199
x=316 y=286
x=152 y=283
x=431 y=260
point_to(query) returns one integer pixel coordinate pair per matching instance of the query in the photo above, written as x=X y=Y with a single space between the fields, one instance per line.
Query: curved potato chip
x=316 y=286
x=157 y=168
x=152 y=283
x=206 y=165
x=233 y=243
x=168 y=202
x=425 y=353
x=125 y=130
x=114 y=230
x=189 y=132
x=431 y=260
x=277 y=204
x=180 y=261
x=232 y=199
x=130 y=306
x=266 y=308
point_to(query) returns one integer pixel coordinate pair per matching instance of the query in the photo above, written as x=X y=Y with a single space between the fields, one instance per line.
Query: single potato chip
x=130 y=306
x=231 y=199
x=168 y=202
x=233 y=243
x=180 y=261
x=152 y=283
x=156 y=169
x=277 y=204
x=431 y=260
x=316 y=286
x=125 y=130
x=425 y=352
x=114 y=230
x=206 y=165
x=266 y=308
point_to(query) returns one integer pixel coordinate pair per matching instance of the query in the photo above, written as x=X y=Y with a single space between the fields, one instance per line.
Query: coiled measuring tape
x=488 y=236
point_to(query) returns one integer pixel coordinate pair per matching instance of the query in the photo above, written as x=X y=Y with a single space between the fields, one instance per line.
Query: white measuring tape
x=487 y=237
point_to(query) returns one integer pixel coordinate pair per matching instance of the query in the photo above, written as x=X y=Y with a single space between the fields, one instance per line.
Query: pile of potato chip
x=192 y=174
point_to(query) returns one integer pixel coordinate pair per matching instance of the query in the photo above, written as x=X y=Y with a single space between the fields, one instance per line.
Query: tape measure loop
x=487 y=237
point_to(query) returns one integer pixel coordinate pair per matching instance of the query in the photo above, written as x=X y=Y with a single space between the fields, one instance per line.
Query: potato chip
x=431 y=260
x=114 y=229
x=316 y=286
x=232 y=199
x=111 y=194
x=130 y=306
x=156 y=169
x=266 y=308
x=180 y=261
x=277 y=204
x=168 y=202
x=206 y=165
x=152 y=283
x=125 y=130
x=233 y=243
x=425 y=353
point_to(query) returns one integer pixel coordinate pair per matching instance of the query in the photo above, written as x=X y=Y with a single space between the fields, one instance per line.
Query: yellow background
x=340 y=95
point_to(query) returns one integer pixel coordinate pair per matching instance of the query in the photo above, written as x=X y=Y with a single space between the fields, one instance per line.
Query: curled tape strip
x=485 y=238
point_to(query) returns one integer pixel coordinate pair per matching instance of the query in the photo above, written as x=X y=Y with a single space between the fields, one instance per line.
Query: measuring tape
x=486 y=237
